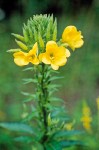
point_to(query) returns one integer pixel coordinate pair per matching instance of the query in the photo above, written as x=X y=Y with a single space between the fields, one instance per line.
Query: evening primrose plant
x=40 y=52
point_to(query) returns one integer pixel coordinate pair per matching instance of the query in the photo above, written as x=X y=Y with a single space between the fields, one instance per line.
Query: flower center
x=31 y=57
x=51 y=56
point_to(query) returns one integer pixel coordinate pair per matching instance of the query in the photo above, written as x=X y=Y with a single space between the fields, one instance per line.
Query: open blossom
x=22 y=58
x=72 y=37
x=55 y=56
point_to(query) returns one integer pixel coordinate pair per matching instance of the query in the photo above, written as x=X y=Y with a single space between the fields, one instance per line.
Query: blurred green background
x=82 y=70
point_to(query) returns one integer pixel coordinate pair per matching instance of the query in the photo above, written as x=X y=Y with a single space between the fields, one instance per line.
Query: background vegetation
x=82 y=70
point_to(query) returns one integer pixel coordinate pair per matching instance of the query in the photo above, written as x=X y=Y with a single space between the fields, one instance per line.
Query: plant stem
x=43 y=100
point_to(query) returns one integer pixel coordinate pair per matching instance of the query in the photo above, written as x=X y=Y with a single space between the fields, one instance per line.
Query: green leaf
x=60 y=113
x=53 y=86
x=25 y=139
x=19 y=127
x=37 y=146
x=29 y=68
x=53 y=145
x=25 y=93
x=55 y=99
x=30 y=80
x=69 y=143
x=31 y=116
x=28 y=94
x=64 y=134
x=59 y=145
x=55 y=78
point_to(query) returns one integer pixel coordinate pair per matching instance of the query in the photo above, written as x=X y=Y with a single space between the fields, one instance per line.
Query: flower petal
x=79 y=43
x=20 y=61
x=43 y=57
x=20 y=58
x=40 y=56
x=67 y=53
x=34 y=49
x=35 y=61
x=51 y=45
x=60 y=61
x=55 y=67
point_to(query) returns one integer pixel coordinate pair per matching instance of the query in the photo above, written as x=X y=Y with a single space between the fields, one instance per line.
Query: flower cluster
x=86 y=118
x=54 y=53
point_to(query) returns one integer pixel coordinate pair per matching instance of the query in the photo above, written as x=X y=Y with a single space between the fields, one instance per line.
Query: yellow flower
x=22 y=58
x=72 y=37
x=97 y=100
x=54 y=55
x=86 y=118
x=32 y=55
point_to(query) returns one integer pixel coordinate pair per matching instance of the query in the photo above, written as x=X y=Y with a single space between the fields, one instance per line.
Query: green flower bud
x=26 y=37
x=14 y=50
x=41 y=42
x=49 y=120
x=40 y=29
x=22 y=45
x=18 y=37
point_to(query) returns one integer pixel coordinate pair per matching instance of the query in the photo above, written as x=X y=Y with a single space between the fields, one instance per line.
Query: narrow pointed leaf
x=19 y=127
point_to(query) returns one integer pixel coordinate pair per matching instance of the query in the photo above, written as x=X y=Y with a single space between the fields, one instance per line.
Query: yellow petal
x=40 y=56
x=61 y=61
x=34 y=49
x=67 y=53
x=20 y=53
x=35 y=61
x=54 y=67
x=44 y=58
x=20 y=58
x=79 y=43
x=61 y=51
x=51 y=45
x=20 y=61
x=68 y=31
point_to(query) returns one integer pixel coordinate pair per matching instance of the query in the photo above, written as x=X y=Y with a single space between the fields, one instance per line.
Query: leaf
x=58 y=112
x=29 y=68
x=31 y=116
x=30 y=80
x=32 y=97
x=55 y=99
x=52 y=86
x=64 y=134
x=25 y=93
x=55 y=78
x=20 y=127
x=53 y=145
x=59 y=145
x=25 y=139
x=37 y=146
x=69 y=143
x=28 y=94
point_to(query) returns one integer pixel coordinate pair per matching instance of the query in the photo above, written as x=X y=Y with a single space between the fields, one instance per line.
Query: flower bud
x=22 y=45
x=18 y=37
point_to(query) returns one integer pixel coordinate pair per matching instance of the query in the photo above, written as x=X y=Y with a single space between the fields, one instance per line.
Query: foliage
x=44 y=126
x=81 y=81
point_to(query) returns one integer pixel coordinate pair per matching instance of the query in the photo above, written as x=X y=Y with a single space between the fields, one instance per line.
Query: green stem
x=43 y=100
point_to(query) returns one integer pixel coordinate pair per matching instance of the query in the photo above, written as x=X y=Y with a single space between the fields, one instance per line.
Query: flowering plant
x=44 y=53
